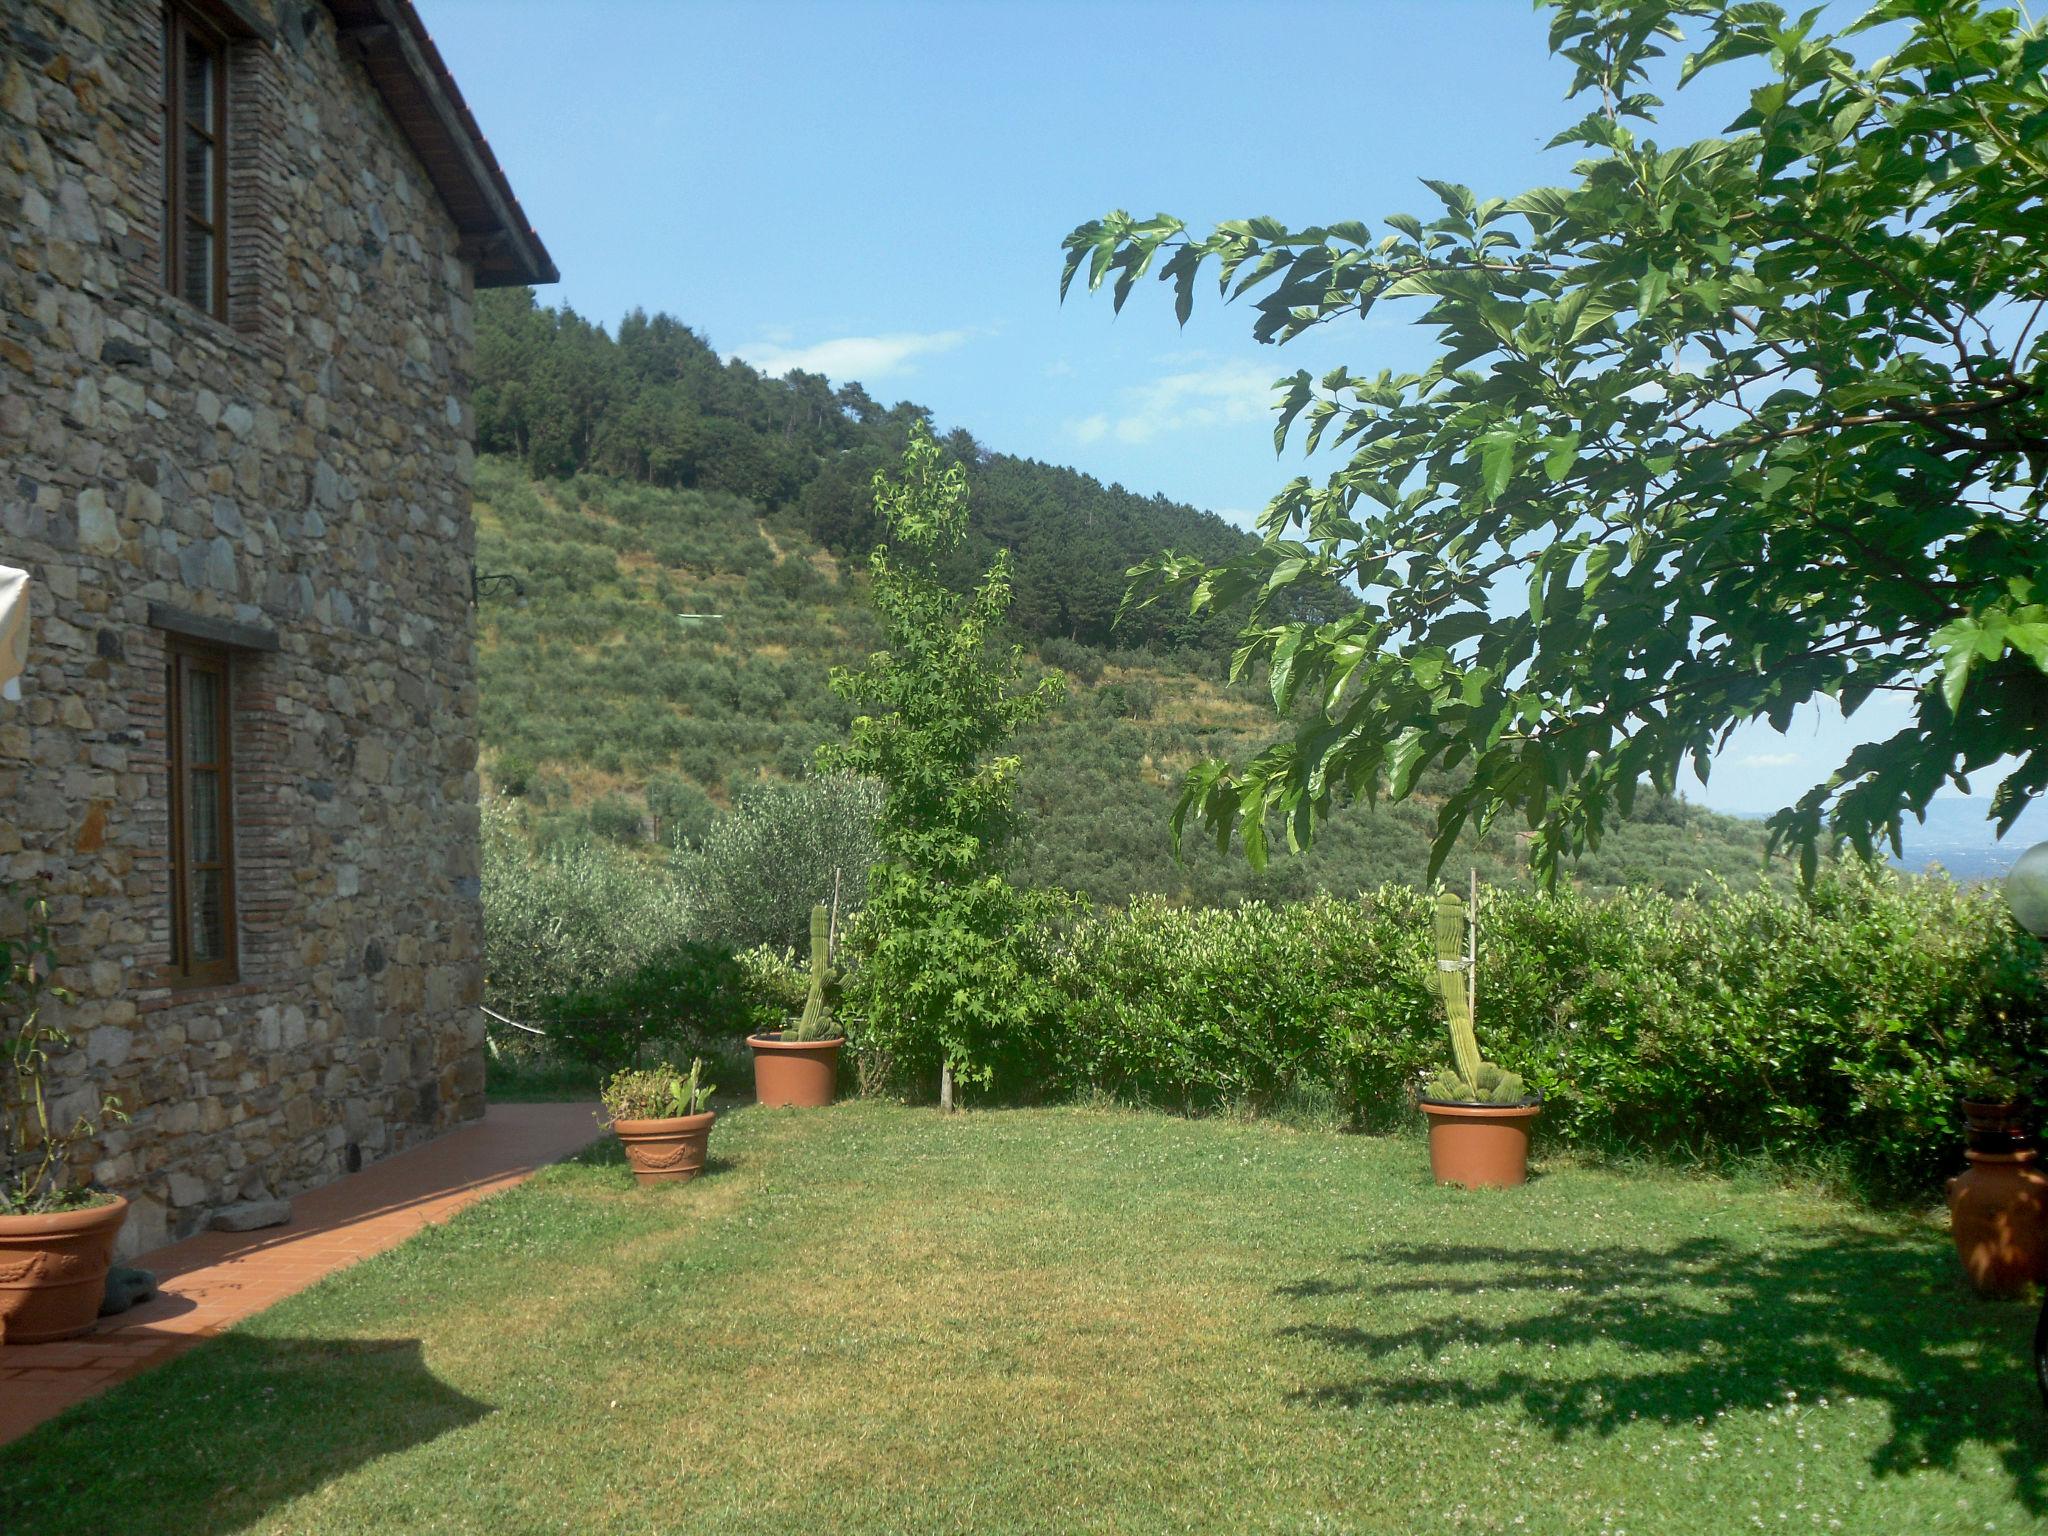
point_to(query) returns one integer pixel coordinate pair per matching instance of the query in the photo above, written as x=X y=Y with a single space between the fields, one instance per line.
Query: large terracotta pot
x=1998 y=1216
x=53 y=1271
x=797 y=1074
x=666 y=1151
x=1481 y=1146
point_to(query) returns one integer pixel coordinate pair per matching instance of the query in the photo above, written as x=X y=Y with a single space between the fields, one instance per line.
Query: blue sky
x=878 y=191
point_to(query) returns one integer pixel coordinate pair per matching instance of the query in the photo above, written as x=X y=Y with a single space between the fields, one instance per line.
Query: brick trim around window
x=197 y=160
x=200 y=766
x=249 y=172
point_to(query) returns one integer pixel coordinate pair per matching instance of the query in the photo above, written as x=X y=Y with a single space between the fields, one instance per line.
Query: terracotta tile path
x=217 y=1278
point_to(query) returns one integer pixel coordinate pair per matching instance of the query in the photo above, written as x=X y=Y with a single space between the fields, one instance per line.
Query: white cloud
x=1769 y=760
x=1190 y=399
x=845 y=359
x=1225 y=394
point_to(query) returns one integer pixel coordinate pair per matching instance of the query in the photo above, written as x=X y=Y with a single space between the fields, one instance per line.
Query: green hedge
x=1832 y=1029
x=1835 y=1029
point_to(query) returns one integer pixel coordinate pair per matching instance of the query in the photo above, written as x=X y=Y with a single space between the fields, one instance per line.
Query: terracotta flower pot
x=1997 y=1126
x=1481 y=1146
x=666 y=1151
x=1998 y=1216
x=53 y=1271
x=798 y=1074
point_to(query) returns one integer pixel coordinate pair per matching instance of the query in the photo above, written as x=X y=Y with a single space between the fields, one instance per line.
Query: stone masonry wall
x=303 y=468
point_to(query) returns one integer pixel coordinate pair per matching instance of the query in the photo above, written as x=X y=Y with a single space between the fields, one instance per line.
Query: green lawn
x=875 y=1319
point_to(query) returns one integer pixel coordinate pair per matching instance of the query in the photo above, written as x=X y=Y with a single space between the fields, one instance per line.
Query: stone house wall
x=302 y=469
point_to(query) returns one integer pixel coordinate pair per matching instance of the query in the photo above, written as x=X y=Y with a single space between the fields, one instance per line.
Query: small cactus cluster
x=1470 y=1080
x=817 y=1022
x=1492 y=1085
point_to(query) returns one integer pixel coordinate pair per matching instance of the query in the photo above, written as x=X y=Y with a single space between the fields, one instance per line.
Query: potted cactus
x=56 y=1235
x=662 y=1117
x=1479 y=1114
x=798 y=1065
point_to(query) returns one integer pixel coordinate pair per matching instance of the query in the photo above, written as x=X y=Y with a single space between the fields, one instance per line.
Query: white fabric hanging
x=13 y=630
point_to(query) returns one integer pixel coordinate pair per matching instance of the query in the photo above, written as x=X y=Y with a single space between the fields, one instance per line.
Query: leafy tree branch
x=1713 y=432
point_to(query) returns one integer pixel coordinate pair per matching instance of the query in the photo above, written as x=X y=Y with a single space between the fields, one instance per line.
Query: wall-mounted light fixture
x=498 y=581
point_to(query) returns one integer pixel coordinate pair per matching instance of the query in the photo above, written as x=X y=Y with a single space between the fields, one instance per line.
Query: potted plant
x=56 y=1236
x=661 y=1117
x=1479 y=1114
x=798 y=1065
x=1996 y=1115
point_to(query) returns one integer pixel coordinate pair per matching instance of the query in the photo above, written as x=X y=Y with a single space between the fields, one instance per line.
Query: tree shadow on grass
x=1705 y=1326
x=217 y=1438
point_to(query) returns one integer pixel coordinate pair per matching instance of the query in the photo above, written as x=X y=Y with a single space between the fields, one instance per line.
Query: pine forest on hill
x=626 y=481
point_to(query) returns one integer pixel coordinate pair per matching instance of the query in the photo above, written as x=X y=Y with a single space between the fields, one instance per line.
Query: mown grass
x=875 y=1319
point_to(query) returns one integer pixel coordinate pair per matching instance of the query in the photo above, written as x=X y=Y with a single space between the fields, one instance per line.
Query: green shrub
x=568 y=918
x=1205 y=1008
x=512 y=774
x=1131 y=699
x=1839 y=1027
x=685 y=813
x=617 y=819
x=959 y=973
x=755 y=875
x=704 y=762
x=1083 y=663
x=690 y=992
x=773 y=988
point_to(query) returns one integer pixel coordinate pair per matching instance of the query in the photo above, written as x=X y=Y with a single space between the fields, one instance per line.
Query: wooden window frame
x=182 y=224
x=182 y=658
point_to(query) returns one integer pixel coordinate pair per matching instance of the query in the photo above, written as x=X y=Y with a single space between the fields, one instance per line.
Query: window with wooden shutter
x=195 y=124
x=198 y=691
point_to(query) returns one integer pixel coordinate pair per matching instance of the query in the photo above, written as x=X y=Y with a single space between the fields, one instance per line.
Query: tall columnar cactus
x=1452 y=965
x=1471 y=1080
x=816 y=1023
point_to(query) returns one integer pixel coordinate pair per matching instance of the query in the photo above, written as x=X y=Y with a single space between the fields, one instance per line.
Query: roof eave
x=391 y=42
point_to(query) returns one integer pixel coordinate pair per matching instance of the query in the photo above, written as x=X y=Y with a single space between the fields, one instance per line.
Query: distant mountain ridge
x=1958 y=837
x=656 y=405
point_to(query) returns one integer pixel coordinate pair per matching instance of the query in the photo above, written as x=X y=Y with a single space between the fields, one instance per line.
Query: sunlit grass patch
x=874 y=1319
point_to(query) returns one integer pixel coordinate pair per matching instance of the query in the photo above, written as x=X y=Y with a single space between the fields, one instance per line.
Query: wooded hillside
x=630 y=480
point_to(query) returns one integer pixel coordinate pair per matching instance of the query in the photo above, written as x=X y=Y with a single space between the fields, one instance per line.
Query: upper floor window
x=195 y=161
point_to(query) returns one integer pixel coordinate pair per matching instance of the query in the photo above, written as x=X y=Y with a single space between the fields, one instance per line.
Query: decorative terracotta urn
x=796 y=1074
x=1998 y=1216
x=1481 y=1146
x=53 y=1271
x=667 y=1151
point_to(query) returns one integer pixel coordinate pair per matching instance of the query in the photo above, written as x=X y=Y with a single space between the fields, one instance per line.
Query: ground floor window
x=198 y=685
